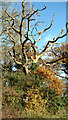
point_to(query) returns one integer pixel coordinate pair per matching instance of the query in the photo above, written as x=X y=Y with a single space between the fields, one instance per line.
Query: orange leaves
x=38 y=15
x=36 y=12
x=49 y=77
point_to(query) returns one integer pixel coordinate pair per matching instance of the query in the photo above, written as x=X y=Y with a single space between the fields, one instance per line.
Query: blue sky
x=59 y=8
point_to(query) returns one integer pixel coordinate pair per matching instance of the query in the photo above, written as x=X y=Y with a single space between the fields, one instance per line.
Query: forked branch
x=12 y=25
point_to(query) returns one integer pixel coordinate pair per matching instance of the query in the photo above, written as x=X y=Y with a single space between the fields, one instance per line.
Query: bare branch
x=37 y=11
x=14 y=58
x=67 y=27
x=64 y=71
x=62 y=77
x=17 y=31
x=13 y=48
x=45 y=50
x=54 y=61
x=10 y=15
x=48 y=27
x=33 y=19
x=10 y=36
x=53 y=41
x=35 y=27
x=61 y=31
x=34 y=38
x=38 y=39
x=54 y=52
x=21 y=35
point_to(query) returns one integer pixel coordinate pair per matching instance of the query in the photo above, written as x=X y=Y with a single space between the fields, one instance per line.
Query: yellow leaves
x=45 y=101
x=23 y=99
x=34 y=72
x=40 y=86
x=42 y=94
x=36 y=89
x=40 y=98
x=36 y=96
x=35 y=99
x=26 y=108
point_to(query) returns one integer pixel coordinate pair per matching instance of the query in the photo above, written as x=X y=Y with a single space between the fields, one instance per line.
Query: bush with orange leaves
x=46 y=96
x=48 y=76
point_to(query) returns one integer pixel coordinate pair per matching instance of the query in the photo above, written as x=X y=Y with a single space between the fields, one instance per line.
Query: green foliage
x=12 y=98
x=40 y=96
x=34 y=66
x=65 y=99
x=23 y=82
x=54 y=104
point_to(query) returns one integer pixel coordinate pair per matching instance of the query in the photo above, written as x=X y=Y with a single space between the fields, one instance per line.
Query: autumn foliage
x=48 y=76
x=44 y=96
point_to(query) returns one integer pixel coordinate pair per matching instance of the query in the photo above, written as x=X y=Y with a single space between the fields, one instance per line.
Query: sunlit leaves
x=35 y=99
x=51 y=80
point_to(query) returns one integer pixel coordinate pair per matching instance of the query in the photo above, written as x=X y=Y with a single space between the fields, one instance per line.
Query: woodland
x=32 y=87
